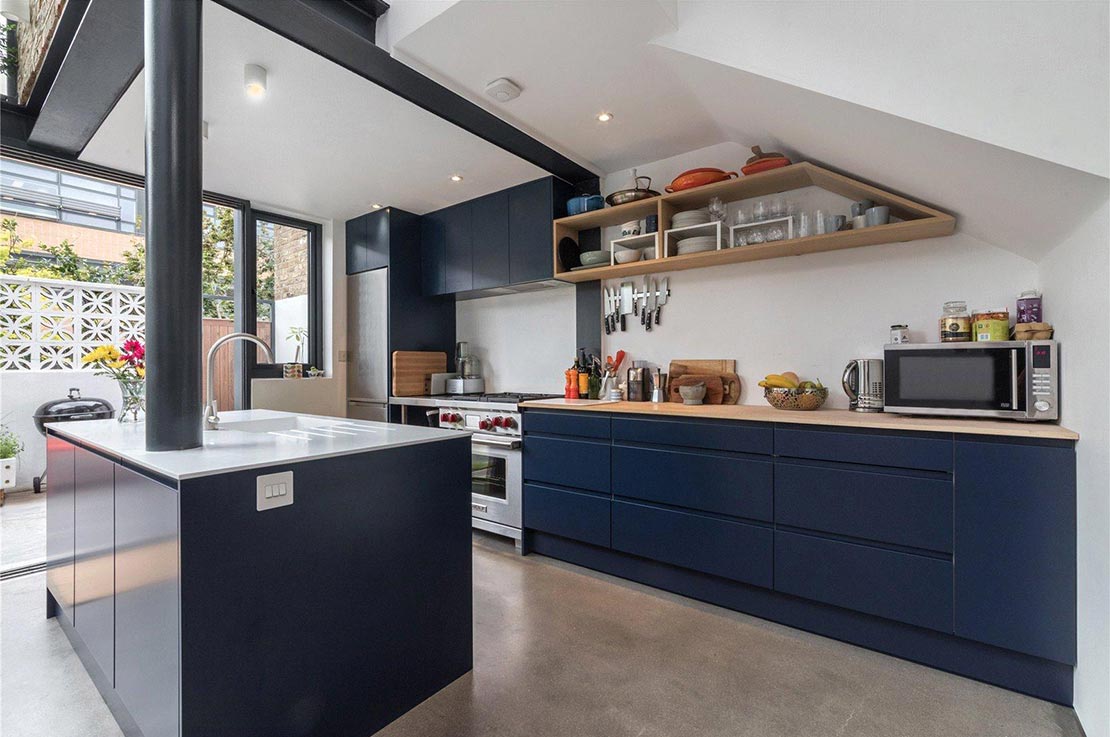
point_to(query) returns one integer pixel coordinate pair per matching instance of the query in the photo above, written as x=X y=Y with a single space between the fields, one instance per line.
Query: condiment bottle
x=955 y=323
x=571 y=389
x=899 y=334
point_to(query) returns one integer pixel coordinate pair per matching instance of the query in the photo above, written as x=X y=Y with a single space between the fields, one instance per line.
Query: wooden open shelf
x=918 y=221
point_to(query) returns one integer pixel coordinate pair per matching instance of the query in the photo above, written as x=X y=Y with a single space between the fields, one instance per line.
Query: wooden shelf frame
x=917 y=222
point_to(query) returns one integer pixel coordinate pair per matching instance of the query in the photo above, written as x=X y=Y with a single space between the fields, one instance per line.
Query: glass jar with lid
x=955 y=323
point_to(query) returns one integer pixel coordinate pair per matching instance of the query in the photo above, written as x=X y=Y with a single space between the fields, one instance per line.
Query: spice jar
x=955 y=323
x=899 y=334
x=992 y=324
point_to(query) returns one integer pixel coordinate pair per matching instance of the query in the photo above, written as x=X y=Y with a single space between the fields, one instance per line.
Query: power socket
x=273 y=490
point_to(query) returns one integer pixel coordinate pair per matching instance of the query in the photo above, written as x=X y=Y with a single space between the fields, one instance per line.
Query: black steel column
x=172 y=50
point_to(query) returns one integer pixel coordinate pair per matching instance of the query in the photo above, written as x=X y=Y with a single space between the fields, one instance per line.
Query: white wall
x=1076 y=279
x=288 y=313
x=21 y=393
x=525 y=341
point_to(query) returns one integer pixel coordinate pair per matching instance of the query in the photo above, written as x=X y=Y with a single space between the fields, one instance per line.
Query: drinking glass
x=804 y=227
x=717 y=211
x=819 y=221
x=760 y=210
x=778 y=207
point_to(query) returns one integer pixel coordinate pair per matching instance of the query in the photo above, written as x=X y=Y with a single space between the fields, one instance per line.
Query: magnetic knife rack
x=628 y=300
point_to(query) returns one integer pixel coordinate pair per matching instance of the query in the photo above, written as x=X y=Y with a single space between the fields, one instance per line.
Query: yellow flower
x=141 y=371
x=96 y=354
x=112 y=352
x=117 y=364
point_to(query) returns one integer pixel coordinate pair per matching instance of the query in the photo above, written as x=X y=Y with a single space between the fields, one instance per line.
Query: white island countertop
x=246 y=439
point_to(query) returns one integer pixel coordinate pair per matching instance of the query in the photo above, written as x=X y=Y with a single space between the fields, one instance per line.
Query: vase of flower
x=127 y=365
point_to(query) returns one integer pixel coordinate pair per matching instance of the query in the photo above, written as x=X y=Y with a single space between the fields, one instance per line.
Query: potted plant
x=10 y=448
x=127 y=365
x=295 y=370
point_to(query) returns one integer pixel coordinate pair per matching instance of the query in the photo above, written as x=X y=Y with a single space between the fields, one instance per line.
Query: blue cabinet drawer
x=738 y=437
x=908 y=588
x=734 y=550
x=869 y=448
x=724 y=484
x=902 y=510
x=578 y=423
x=582 y=464
x=570 y=514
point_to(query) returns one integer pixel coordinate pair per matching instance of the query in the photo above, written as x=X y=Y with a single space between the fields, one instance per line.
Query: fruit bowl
x=796 y=399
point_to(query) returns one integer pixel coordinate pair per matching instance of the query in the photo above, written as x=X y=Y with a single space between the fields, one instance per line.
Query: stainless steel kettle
x=863 y=383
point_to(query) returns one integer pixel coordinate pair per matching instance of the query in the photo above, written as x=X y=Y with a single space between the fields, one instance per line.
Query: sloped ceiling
x=323 y=141
x=968 y=144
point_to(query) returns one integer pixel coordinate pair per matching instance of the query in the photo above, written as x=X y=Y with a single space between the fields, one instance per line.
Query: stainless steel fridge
x=368 y=345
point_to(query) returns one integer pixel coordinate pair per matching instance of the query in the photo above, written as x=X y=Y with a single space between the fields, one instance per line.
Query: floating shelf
x=641 y=242
x=917 y=222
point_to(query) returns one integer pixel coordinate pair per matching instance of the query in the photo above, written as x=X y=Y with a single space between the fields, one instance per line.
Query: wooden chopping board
x=723 y=368
x=714 y=388
x=412 y=371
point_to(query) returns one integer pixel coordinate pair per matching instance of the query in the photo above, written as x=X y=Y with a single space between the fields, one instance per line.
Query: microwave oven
x=1016 y=380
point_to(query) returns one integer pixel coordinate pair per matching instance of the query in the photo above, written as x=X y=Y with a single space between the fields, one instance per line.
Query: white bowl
x=627 y=256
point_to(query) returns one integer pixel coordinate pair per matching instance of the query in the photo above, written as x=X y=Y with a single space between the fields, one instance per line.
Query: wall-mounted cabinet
x=497 y=240
x=913 y=221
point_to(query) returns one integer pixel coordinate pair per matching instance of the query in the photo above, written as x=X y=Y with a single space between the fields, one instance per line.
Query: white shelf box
x=648 y=242
x=787 y=221
x=674 y=235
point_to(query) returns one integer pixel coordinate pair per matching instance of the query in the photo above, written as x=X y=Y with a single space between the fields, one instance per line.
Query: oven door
x=495 y=480
x=963 y=379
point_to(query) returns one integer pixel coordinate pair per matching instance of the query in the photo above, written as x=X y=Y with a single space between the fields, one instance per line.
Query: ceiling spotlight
x=376 y=206
x=456 y=177
x=254 y=80
x=604 y=117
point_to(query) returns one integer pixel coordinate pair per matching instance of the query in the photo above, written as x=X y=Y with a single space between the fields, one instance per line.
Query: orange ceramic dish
x=765 y=165
x=698 y=177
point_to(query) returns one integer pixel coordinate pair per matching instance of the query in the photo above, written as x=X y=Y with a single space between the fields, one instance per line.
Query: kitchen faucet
x=211 y=416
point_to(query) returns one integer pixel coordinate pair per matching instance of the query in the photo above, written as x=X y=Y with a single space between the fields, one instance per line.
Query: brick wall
x=290 y=262
x=34 y=39
x=91 y=243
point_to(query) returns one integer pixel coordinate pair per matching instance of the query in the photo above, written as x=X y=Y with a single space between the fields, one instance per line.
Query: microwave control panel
x=1044 y=374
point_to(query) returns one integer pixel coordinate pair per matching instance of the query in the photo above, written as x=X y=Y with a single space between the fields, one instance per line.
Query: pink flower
x=133 y=352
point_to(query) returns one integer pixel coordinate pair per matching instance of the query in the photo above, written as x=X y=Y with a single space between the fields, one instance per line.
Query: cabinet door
x=356 y=245
x=147 y=602
x=490 y=219
x=458 y=238
x=379 y=234
x=433 y=254
x=59 y=523
x=1015 y=547
x=94 y=556
x=530 y=232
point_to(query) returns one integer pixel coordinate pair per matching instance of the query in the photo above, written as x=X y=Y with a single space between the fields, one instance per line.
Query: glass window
x=283 y=288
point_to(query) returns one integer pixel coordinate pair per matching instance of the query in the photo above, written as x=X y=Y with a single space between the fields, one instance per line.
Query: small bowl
x=627 y=256
x=692 y=393
x=796 y=399
x=593 y=258
x=632 y=227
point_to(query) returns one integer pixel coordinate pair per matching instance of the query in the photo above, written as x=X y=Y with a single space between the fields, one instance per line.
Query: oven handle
x=1013 y=379
x=497 y=442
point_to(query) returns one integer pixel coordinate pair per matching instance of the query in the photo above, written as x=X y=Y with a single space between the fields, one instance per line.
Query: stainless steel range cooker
x=496 y=477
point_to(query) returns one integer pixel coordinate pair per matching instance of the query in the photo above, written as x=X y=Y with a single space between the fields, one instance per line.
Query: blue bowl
x=584 y=203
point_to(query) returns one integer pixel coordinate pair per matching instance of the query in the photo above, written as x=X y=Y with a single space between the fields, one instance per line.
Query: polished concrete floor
x=22 y=530
x=560 y=651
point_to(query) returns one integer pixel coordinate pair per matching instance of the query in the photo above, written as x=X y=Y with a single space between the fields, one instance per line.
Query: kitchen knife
x=608 y=310
x=627 y=306
x=650 y=305
x=644 y=306
x=662 y=298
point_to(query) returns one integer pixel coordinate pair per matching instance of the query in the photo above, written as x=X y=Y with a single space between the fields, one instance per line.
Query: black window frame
x=247 y=298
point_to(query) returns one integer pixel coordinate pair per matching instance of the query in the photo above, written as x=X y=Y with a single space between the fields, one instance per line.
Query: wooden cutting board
x=731 y=382
x=724 y=368
x=412 y=371
x=714 y=387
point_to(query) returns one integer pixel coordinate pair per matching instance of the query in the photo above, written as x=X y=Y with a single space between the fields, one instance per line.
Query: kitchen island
x=949 y=542
x=295 y=575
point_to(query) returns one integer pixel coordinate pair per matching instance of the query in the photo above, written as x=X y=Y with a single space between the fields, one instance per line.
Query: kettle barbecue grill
x=71 y=409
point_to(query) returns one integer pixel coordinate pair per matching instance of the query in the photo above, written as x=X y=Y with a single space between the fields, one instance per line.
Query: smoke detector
x=503 y=90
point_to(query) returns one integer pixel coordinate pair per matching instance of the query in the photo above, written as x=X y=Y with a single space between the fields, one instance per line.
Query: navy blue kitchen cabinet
x=490 y=240
x=532 y=207
x=356 y=230
x=94 y=556
x=956 y=552
x=372 y=239
x=59 y=525
x=1015 y=546
x=497 y=240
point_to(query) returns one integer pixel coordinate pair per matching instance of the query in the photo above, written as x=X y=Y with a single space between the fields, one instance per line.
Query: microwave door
x=972 y=381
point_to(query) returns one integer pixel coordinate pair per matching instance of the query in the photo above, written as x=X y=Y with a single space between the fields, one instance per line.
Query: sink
x=298 y=426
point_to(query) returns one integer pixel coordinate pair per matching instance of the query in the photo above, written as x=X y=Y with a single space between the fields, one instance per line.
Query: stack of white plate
x=697 y=244
x=689 y=217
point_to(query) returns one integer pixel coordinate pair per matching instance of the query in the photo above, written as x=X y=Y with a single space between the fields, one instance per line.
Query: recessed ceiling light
x=604 y=117
x=376 y=206
x=456 y=177
x=254 y=80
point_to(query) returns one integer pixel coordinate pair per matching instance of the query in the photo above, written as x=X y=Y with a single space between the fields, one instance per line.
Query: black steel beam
x=172 y=49
x=105 y=56
x=303 y=22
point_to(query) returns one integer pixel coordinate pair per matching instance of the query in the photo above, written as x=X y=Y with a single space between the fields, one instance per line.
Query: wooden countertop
x=829 y=417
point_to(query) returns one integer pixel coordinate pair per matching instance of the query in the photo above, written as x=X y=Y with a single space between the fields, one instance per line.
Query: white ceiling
x=646 y=62
x=323 y=141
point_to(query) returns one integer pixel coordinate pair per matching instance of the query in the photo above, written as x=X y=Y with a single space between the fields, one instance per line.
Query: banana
x=779 y=382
